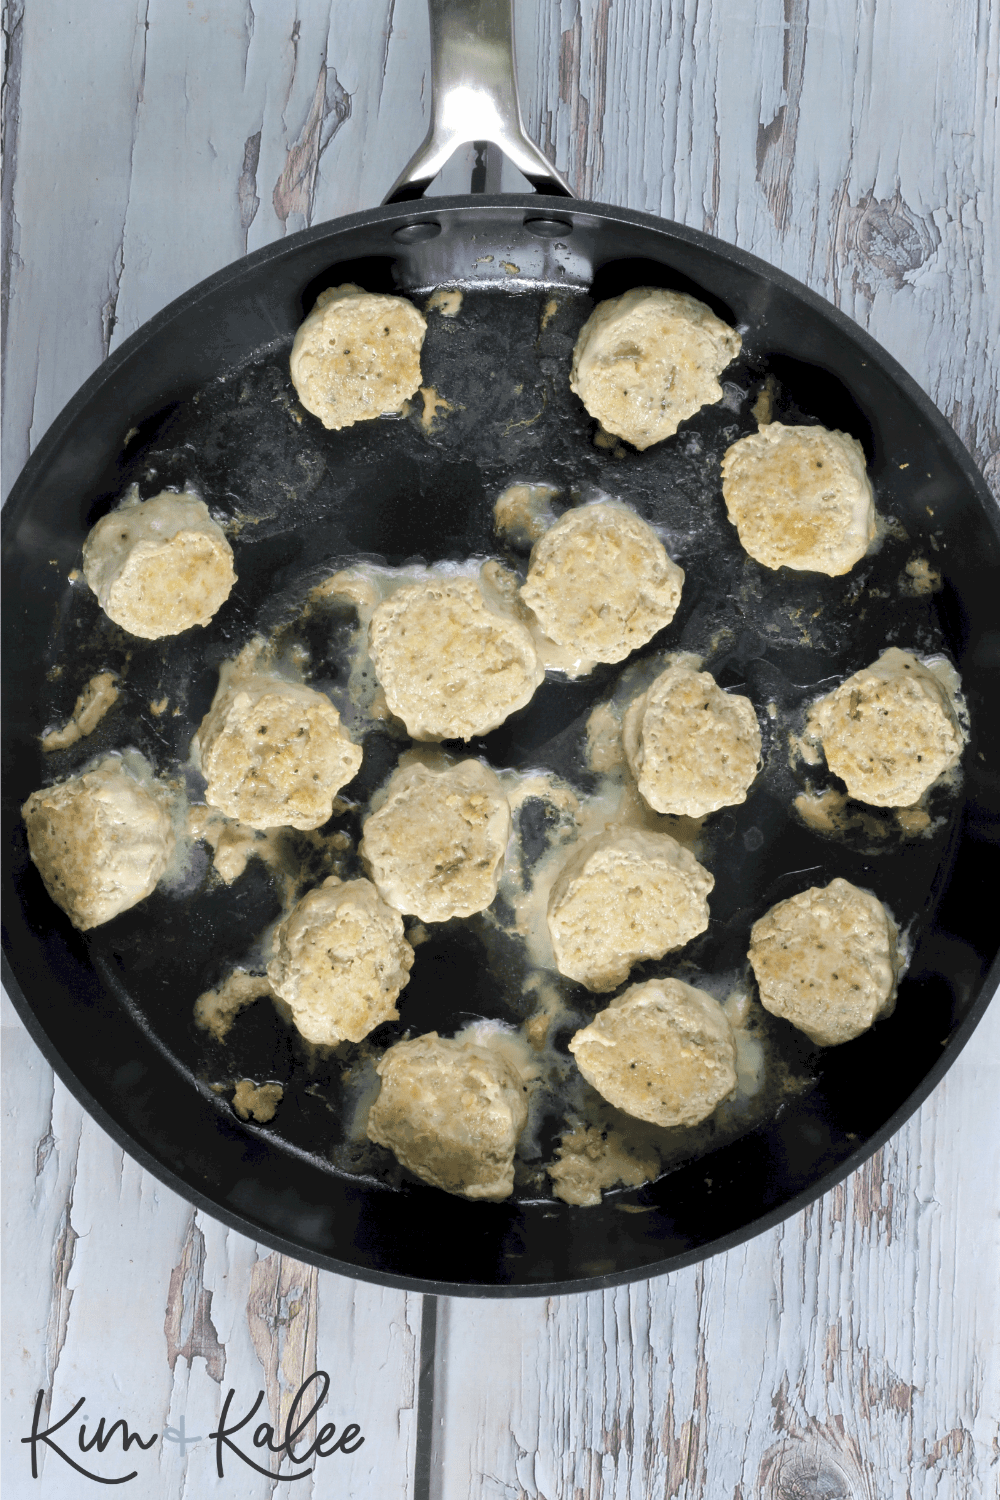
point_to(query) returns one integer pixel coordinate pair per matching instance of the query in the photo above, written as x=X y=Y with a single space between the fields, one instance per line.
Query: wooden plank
x=117 y=1290
x=899 y=239
x=852 y=1345
x=69 y=165
x=193 y=1307
x=820 y=140
x=846 y=1352
x=166 y=140
x=147 y=145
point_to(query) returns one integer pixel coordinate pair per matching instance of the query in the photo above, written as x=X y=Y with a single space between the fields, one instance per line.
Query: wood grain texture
x=850 y=1354
x=117 y=1290
x=827 y=147
x=848 y=1343
x=854 y=146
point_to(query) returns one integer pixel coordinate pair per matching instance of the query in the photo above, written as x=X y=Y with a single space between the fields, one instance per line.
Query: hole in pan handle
x=474 y=98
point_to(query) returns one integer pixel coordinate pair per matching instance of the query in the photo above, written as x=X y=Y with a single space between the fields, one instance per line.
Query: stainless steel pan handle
x=474 y=97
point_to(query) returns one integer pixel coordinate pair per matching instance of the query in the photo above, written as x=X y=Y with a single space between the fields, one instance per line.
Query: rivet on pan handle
x=474 y=97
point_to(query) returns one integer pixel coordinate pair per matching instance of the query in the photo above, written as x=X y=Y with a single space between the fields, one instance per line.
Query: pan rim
x=20 y=499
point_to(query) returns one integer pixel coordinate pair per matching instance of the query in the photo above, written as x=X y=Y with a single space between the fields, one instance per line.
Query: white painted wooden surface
x=851 y=1352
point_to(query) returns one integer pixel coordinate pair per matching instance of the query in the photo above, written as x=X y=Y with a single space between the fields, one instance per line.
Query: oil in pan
x=300 y=504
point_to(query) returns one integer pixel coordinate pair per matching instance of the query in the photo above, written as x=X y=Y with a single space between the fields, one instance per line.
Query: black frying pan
x=202 y=394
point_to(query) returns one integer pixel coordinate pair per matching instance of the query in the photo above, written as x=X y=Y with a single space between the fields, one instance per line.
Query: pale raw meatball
x=692 y=748
x=340 y=961
x=826 y=961
x=159 y=566
x=625 y=896
x=450 y=665
x=436 y=844
x=101 y=841
x=600 y=582
x=451 y=1112
x=273 y=752
x=647 y=361
x=800 y=497
x=663 y=1051
x=357 y=355
x=889 y=731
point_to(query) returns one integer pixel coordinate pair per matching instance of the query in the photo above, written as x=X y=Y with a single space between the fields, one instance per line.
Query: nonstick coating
x=202 y=395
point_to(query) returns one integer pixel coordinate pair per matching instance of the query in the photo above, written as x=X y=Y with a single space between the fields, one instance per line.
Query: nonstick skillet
x=201 y=395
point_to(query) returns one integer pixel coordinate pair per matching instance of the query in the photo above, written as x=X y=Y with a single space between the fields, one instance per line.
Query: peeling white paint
x=144 y=142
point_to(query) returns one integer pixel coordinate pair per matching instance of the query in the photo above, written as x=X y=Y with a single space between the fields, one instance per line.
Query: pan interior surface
x=203 y=398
